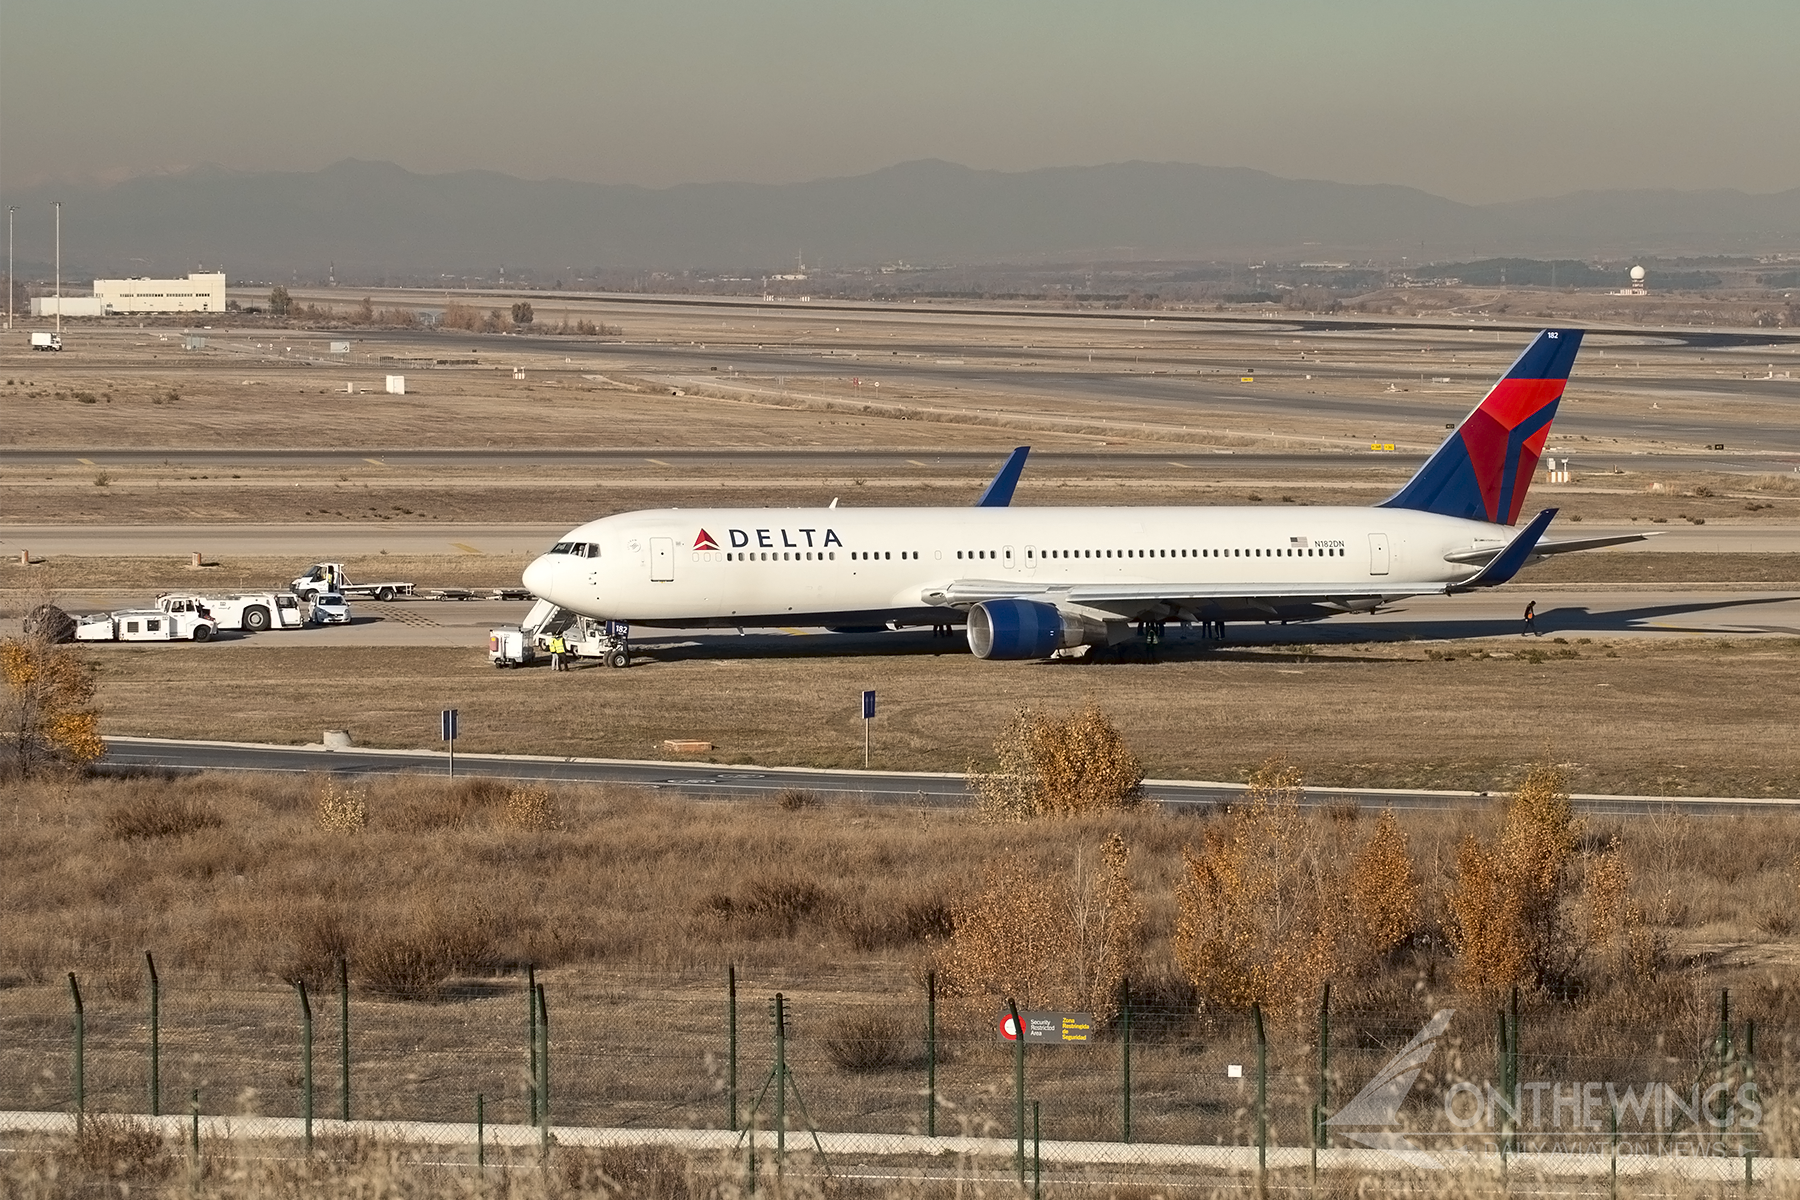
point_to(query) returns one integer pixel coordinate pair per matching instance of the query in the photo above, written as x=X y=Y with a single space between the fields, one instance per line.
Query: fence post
x=1012 y=1010
x=306 y=1062
x=543 y=1071
x=1724 y=1049
x=780 y=1007
x=1319 y=1131
x=931 y=1054
x=1125 y=1062
x=155 y=1038
x=194 y=1126
x=1262 y=1100
x=80 y=1057
x=531 y=1040
x=344 y=1036
x=731 y=1097
x=1503 y=1068
x=480 y=1132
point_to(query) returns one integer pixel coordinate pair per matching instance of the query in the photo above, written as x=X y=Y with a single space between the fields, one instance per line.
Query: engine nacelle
x=1020 y=629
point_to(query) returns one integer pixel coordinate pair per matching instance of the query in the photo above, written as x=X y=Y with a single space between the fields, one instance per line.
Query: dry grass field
x=630 y=905
x=1706 y=717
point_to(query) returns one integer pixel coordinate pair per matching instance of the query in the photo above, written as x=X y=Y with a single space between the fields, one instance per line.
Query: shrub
x=773 y=906
x=1058 y=765
x=532 y=808
x=1384 y=900
x=342 y=808
x=1507 y=906
x=1260 y=915
x=871 y=1040
x=794 y=799
x=1043 y=939
x=119 y=1150
x=47 y=718
x=143 y=816
x=410 y=957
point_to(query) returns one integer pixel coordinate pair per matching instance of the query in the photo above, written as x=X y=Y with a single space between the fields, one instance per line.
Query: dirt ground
x=1708 y=718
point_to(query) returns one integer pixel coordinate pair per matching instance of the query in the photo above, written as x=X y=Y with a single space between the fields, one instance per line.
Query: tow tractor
x=583 y=637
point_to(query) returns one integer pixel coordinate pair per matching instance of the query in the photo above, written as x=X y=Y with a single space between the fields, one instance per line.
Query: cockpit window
x=563 y=548
x=593 y=550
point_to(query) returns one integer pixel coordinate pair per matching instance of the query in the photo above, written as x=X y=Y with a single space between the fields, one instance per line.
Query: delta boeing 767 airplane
x=1035 y=583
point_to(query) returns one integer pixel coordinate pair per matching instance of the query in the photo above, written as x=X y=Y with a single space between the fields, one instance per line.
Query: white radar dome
x=1637 y=274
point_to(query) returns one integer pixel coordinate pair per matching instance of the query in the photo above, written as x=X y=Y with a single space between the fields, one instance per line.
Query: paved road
x=310 y=542
x=708 y=781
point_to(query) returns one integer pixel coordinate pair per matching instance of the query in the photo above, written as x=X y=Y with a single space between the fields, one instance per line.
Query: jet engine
x=1022 y=629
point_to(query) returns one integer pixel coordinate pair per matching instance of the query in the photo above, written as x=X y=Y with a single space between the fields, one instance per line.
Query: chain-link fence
x=880 y=1063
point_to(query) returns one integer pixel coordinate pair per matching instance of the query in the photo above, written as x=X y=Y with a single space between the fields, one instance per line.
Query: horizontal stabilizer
x=999 y=492
x=1483 y=554
x=1506 y=564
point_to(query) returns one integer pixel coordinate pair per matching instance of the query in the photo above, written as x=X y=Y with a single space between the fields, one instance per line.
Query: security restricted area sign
x=1048 y=1026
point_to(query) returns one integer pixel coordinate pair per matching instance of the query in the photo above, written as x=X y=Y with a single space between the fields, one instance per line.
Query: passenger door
x=662 y=560
x=1378 y=554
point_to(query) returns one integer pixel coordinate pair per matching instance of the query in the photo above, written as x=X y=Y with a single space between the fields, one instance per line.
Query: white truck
x=252 y=612
x=46 y=341
x=323 y=578
x=143 y=625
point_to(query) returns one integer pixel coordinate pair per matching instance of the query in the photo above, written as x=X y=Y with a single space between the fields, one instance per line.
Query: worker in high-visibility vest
x=557 y=649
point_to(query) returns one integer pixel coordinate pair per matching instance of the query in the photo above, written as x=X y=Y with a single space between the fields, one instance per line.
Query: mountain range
x=374 y=220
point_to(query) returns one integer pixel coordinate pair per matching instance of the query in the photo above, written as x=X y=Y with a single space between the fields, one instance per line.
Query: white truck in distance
x=323 y=578
x=143 y=625
x=252 y=612
x=46 y=341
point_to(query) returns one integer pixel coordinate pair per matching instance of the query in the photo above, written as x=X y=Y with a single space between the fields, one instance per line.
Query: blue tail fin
x=1483 y=470
x=999 y=491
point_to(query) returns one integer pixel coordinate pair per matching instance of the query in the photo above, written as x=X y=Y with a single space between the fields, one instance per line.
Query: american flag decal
x=1296 y=541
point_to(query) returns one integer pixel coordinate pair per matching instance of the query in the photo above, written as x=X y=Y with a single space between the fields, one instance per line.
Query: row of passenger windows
x=816 y=555
x=1289 y=552
x=888 y=555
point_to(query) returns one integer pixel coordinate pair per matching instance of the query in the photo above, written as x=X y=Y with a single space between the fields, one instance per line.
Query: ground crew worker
x=1530 y=620
x=557 y=649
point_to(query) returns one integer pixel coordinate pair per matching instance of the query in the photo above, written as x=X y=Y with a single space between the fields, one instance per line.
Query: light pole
x=9 y=265
x=59 y=271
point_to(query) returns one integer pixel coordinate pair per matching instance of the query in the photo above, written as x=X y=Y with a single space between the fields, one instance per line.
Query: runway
x=712 y=782
x=1564 y=610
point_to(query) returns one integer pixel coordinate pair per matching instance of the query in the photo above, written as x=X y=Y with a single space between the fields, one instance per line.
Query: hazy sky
x=1477 y=101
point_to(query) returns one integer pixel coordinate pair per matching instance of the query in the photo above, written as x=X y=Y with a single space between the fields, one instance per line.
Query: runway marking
x=1173 y=463
x=465 y=548
x=85 y=461
x=915 y=462
x=790 y=629
x=376 y=461
x=659 y=462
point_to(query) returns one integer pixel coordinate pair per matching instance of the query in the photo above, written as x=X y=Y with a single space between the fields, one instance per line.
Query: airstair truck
x=583 y=637
x=323 y=578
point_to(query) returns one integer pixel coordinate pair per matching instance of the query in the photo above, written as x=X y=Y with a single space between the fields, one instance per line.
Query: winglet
x=1000 y=491
x=1506 y=564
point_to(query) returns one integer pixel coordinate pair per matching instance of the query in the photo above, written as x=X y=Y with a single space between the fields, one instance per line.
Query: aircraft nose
x=541 y=578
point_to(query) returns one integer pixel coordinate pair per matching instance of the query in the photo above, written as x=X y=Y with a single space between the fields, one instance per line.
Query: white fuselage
x=845 y=566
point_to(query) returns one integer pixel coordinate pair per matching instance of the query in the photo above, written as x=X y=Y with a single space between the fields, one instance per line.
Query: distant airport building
x=72 y=306
x=197 y=293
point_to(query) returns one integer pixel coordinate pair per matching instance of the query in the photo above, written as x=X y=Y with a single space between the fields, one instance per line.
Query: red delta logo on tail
x=704 y=541
x=1483 y=470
